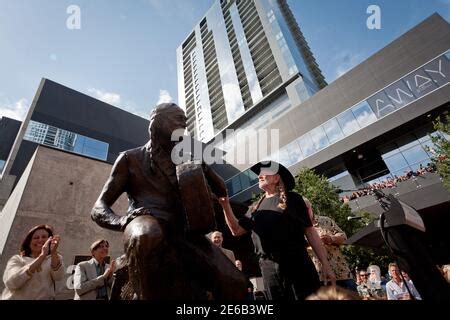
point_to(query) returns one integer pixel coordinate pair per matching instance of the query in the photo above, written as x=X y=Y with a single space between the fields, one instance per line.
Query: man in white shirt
x=396 y=288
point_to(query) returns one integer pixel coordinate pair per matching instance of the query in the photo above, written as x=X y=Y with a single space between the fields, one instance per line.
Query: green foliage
x=441 y=150
x=326 y=202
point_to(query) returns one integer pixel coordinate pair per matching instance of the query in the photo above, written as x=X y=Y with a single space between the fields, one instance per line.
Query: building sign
x=411 y=87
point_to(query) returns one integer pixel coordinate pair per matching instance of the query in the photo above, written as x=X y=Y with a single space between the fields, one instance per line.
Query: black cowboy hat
x=278 y=168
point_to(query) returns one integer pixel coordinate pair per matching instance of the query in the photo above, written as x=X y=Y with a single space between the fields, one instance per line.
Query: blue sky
x=125 y=51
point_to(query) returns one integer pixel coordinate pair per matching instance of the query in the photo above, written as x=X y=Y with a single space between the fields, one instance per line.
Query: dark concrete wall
x=8 y=132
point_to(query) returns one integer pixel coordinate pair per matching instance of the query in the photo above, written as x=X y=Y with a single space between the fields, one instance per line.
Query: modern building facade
x=65 y=119
x=243 y=57
x=377 y=116
x=372 y=124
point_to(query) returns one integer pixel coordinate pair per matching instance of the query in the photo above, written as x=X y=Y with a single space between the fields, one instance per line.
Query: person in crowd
x=377 y=286
x=333 y=293
x=364 y=288
x=357 y=277
x=332 y=237
x=279 y=222
x=396 y=288
x=446 y=272
x=31 y=274
x=93 y=278
x=250 y=287
x=217 y=239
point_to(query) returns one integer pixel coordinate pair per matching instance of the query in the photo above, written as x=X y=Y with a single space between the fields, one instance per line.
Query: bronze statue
x=164 y=258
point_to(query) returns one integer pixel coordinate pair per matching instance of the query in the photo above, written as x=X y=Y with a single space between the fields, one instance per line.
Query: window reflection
x=306 y=145
x=395 y=162
x=66 y=140
x=333 y=130
x=347 y=122
x=415 y=155
x=319 y=138
x=364 y=114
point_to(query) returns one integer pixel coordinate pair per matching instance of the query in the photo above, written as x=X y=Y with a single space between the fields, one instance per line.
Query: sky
x=124 y=52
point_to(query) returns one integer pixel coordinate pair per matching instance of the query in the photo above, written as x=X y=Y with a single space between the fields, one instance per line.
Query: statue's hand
x=133 y=214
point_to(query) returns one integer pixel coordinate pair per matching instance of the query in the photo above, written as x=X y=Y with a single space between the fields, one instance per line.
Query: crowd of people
x=389 y=183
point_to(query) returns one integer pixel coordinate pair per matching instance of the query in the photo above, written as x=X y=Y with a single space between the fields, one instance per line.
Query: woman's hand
x=46 y=247
x=54 y=243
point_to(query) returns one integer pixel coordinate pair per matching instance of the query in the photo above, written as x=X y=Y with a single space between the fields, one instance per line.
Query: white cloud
x=108 y=97
x=16 y=110
x=164 y=97
x=346 y=61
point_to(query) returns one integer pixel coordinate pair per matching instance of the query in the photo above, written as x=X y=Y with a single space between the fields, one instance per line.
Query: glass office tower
x=243 y=56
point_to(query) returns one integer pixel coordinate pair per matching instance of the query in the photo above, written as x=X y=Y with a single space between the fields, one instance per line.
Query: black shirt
x=276 y=231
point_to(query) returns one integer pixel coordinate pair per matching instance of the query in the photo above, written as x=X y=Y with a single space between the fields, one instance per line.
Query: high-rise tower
x=243 y=58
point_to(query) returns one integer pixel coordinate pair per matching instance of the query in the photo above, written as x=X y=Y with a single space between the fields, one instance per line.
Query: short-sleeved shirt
x=276 y=231
x=327 y=226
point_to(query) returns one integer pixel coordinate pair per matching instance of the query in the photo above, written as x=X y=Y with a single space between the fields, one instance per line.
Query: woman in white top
x=31 y=275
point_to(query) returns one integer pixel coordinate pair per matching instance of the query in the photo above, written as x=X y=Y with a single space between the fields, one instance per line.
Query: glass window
x=306 y=145
x=407 y=141
x=94 y=153
x=319 y=138
x=245 y=180
x=395 y=162
x=236 y=185
x=230 y=188
x=333 y=130
x=2 y=164
x=290 y=154
x=282 y=157
x=415 y=155
x=364 y=114
x=338 y=176
x=253 y=177
x=66 y=140
x=348 y=123
x=295 y=152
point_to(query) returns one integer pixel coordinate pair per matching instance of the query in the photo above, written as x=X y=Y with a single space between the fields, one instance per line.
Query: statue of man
x=164 y=261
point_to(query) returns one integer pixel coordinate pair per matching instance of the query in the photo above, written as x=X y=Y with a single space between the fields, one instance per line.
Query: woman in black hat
x=279 y=222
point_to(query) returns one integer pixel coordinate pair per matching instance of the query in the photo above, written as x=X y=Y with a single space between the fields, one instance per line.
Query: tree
x=325 y=201
x=441 y=149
